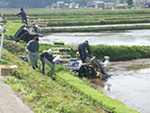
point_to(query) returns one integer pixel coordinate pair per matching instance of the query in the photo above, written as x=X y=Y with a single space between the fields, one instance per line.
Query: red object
x=45 y=25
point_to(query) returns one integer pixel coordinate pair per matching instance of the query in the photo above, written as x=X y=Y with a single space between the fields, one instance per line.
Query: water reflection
x=129 y=37
x=132 y=88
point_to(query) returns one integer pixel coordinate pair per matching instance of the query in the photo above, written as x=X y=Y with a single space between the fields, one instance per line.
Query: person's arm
x=42 y=56
x=38 y=47
x=28 y=46
x=18 y=14
x=88 y=48
x=5 y=20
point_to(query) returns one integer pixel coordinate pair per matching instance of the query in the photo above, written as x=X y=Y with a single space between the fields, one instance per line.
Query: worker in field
x=22 y=13
x=46 y=57
x=3 y=19
x=82 y=47
x=32 y=49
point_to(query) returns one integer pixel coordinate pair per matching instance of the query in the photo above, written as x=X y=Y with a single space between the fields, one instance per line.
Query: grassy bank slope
x=45 y=95
x=42 y=93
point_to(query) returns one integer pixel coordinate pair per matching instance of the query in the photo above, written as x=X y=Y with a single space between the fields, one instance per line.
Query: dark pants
x=25 y=22
x=43 y=65
x=83 y=54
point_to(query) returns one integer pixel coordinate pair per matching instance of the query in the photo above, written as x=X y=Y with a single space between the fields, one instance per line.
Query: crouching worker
x=46 y=57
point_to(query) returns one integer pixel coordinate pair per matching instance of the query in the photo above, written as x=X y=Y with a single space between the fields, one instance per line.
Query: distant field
x=63 y=17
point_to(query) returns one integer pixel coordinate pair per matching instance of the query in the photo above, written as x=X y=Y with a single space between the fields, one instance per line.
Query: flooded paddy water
x=128 y=37
x=130 y=80
x=129 y=83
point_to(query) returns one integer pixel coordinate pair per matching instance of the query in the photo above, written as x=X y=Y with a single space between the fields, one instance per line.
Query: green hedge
x=12 y=28
x=121 y=52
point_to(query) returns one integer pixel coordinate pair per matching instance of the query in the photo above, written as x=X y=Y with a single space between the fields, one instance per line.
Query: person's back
x=46 y=55
x=83 y=46
x=32 y=46
x=82 y=50
x=23 y=15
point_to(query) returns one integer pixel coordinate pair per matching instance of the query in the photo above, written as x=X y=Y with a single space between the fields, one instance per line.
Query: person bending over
x=46 y=57
x=82 y=47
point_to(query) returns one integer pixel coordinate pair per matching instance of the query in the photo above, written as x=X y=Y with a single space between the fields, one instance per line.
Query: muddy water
x=128 y=37
x=129 y=83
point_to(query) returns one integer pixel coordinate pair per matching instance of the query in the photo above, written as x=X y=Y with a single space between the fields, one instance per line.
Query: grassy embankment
x=39 y=91
x=42 y=94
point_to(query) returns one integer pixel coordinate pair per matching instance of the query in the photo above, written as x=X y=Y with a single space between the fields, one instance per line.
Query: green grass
x=118 y=53
x=95 y=29
x=59 y=43
x=43 y=94
x=97 y=22
x=63 y=17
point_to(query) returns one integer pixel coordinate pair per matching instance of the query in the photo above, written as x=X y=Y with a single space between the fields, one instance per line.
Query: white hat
x=50 y=51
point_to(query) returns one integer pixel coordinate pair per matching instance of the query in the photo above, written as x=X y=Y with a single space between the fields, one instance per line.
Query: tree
x=130 y=2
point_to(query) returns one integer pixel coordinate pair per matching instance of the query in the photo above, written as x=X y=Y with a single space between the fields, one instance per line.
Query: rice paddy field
x=67 y=17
